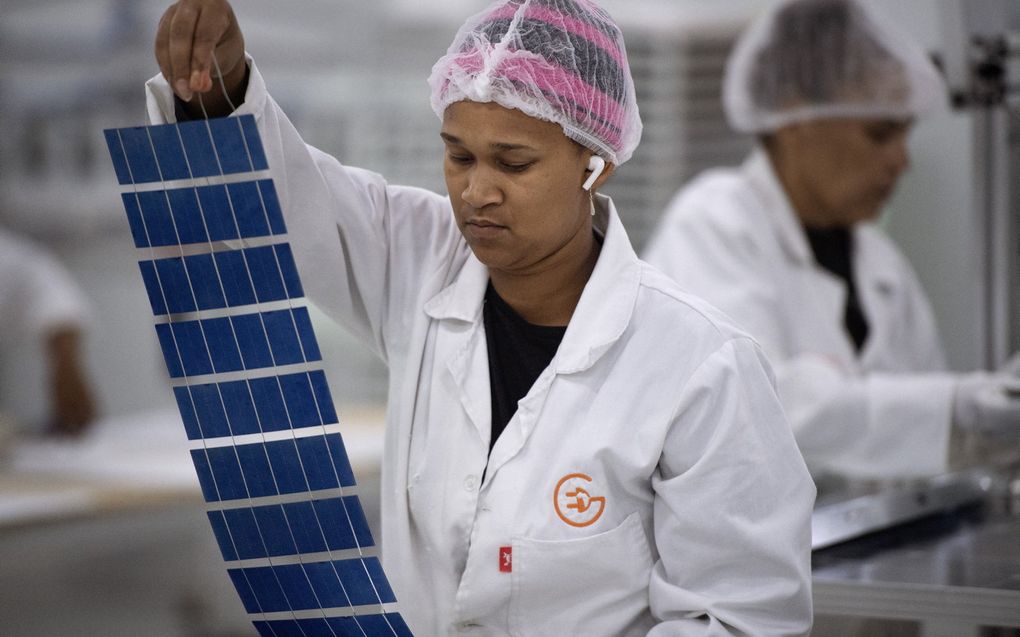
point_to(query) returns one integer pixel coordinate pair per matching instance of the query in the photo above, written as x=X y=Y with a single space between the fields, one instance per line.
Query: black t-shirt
x=518 y=353
x=833 y=248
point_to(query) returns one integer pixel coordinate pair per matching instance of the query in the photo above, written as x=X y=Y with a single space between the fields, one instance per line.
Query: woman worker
x=573 y=446
x=785 y=244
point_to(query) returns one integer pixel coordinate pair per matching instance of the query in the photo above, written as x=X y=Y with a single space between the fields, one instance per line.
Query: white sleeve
x=733 y=504
x=860 y=424
x=369 y=253
x=37 y=293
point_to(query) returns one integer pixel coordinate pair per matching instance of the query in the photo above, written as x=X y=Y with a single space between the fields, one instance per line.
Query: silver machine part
x=981 y=60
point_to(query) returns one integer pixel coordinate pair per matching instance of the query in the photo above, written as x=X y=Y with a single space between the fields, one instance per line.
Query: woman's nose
x=482 y=188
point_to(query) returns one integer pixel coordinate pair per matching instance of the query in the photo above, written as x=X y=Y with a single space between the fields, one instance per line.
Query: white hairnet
x=812 y=59
x=561 y=61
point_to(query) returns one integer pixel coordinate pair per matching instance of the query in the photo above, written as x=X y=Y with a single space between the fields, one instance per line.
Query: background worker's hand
x=189 y=34
x=988 y=404
x=1012 y=366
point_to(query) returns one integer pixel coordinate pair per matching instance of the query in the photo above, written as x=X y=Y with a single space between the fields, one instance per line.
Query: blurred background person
x=787 y=244
x=41 y=303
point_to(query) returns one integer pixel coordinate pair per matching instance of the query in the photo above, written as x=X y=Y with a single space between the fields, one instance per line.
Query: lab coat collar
x=602 y=314
x=790 y=232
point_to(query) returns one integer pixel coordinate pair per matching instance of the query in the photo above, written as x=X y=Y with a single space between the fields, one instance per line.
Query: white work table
x=107 y=534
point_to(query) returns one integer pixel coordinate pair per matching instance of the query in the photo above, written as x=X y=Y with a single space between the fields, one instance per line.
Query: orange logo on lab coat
x=574 y=503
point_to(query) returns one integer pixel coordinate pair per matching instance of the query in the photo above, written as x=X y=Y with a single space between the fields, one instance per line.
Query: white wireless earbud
x=596 y=165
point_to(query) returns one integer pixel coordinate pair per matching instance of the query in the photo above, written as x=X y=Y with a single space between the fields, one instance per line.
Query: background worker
x=787 y=244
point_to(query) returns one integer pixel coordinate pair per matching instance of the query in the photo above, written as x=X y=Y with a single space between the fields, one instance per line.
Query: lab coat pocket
x=596 y=585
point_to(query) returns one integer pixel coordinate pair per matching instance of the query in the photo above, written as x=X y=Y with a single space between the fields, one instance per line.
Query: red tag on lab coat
x=506 y=560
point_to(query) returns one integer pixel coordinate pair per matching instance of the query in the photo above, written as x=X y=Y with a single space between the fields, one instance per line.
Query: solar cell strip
x=260 y=532
x=203 y=213
x=168 y=152
x=388 y=624
x=255 y=405
x=298 y=465
x=312 y=585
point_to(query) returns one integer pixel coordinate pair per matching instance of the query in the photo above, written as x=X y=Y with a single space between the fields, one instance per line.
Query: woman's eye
x=459 y=159
x=517 y=168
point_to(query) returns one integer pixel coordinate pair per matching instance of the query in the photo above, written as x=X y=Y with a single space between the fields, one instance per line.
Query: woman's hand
x=189 y=34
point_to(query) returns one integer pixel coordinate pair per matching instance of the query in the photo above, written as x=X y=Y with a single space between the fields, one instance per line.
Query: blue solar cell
x=257 y=471
x=251 y=338
x=265 y=587
x=237 y=576
x=199 y=149
x=248 y=211
x=169 y=152
x=247 y=534
x=205 y=477
x=240 y=411
x=291 y=279
x=152 y=288
x=184 y=207
x=323 y=465
x=187 y=409
x=192 y=348
x=205 y=282
x=290 y=476
x=304 y=526
x=360 y=589
x=219 y=218
x=323 y=398
x=138 y=150
x=297 y=392
x=269 y=404
x=381 y=584
x=266 y=274
x=159 y=225
x=117 y=155
x=222 y=345
x=230 y=146
x=223 y=535
x=169 y=348
x=283 y=338
x=209 y=407
x=271 y=205
x=225 y=472
x=254 y=142
x=236 y=282
x=275 y=531
x=328 y=584
x=174 y=281
x=134 y=216
x=304 y=327
x=344 y=523
x=294 y=582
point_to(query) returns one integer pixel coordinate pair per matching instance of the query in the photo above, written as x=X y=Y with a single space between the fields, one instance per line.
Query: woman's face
x=848 y=167
x=515 y=185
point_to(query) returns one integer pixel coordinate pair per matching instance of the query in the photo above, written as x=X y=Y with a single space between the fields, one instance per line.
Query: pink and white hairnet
x=561 y=61
x=811 y=59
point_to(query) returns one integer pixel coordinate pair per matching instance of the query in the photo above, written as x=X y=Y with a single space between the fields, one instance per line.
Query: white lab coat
x=665 y=408
x=37 y=294
x=733 y=238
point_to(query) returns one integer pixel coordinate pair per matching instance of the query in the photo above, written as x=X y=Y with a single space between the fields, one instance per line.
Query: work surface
x=88 y=526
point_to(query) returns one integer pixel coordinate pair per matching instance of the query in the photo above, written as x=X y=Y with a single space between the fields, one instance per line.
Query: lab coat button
x=471 y=483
